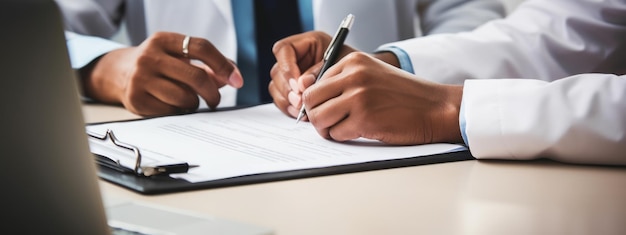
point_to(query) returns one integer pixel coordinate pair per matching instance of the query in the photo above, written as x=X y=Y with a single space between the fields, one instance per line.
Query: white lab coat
x=571 y=107
x=376 y=22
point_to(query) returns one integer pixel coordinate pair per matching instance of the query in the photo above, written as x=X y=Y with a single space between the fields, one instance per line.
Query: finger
x=198 y=79
x=280 y=101
x=210 y=72
x=283 y=73
x=213 y=101
x=279 y=86
x=203 y=50
x=224 y=69
x=298 y=52
x=328 y=114
x=293 y=85
x=295 y=94
x=333 y=118
x=286 y=66
x=328 y=87
x=315 y=69
x=345 y=129
x=294 y=112
x=294 y=99
x=305 y=81
x=309 y=77
x=145 y=104
x=173 y=93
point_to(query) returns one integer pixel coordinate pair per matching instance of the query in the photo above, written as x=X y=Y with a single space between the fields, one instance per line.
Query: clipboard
x=163 y=183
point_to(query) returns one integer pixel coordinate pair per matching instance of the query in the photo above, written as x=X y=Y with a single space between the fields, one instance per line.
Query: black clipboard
x=162 y=184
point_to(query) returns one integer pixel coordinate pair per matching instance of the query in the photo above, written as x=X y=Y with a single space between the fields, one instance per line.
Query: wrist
x=451 y=129
x=99 y=78
x=387 y=57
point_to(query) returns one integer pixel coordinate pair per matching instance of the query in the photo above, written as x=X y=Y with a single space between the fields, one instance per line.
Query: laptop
x=49 y=182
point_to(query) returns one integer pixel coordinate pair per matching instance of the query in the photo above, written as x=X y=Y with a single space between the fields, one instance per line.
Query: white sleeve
x=84 y=49
x=565 y=109
x=453 y=16
x=542 y=39
x=579 y=119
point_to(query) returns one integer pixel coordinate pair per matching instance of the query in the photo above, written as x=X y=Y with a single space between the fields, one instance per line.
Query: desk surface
x=469 y=197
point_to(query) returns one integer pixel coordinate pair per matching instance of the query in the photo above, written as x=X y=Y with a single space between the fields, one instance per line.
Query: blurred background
x=121 y=35
x=511 y=4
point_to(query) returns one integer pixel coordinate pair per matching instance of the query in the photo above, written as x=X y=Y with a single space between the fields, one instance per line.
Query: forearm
x=387 y=57
x=85 y=52
x=102 y=80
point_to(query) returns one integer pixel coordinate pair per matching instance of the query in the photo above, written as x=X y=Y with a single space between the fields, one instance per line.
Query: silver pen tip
x=300 y=115
x=347 y=22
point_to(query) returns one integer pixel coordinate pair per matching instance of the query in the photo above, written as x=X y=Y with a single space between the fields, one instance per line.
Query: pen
x=331 y=53
x=167 y=169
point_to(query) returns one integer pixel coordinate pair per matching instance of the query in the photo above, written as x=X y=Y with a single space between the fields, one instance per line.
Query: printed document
x=240 y=142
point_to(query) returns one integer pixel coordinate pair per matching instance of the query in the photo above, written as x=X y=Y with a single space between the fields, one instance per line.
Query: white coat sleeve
x=84 y=49
x=453 y=16
x=570 y=107
x=88 y=25
x=541 y=39
x=578 y=119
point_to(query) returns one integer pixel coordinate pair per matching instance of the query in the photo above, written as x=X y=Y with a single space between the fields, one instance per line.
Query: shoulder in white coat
x=563 y=109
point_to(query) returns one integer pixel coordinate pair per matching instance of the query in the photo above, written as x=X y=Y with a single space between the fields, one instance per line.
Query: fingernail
x=294 y=99
x=235 y=79
x=293 y=111
x=293 y=84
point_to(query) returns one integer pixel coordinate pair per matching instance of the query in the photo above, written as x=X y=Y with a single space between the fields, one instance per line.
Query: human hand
x=300 y=52
x=361 y=96
x=155 y=78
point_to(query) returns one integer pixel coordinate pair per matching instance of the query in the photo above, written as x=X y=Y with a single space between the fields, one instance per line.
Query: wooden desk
x=469 y=197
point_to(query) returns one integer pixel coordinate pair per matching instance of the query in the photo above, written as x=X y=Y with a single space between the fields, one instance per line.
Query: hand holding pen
x=332 y=52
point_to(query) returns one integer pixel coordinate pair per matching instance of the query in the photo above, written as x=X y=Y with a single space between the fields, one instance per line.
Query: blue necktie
x=273 y=20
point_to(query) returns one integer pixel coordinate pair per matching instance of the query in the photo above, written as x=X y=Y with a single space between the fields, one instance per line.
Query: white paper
x=248 y=141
